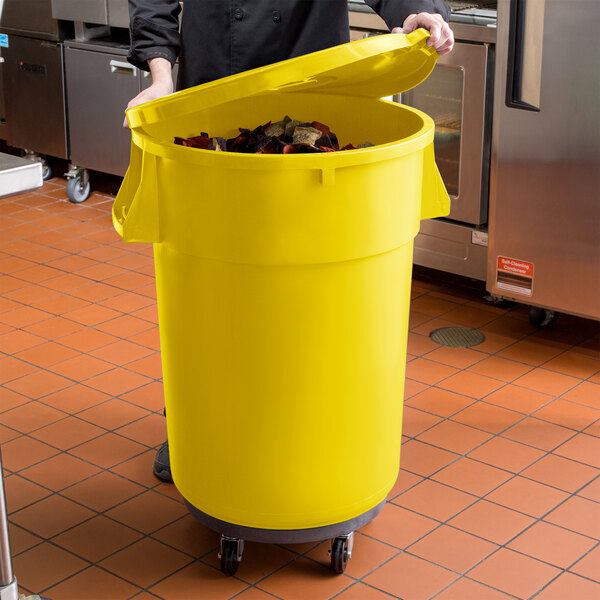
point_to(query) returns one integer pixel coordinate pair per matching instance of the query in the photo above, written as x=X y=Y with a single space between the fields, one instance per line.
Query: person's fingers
x=133 y=102
x=440 y=35
x=153 y=92
x=435 y=30
x=446 y=47
x=410 y=24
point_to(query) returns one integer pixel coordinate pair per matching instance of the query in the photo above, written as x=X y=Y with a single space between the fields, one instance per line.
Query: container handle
x=135 y=210
x=435 y=201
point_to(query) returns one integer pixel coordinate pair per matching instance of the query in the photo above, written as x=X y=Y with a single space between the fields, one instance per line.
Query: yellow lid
x=373 y=67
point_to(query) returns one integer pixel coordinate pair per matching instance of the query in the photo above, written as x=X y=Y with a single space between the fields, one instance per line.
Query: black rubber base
x=285 y=536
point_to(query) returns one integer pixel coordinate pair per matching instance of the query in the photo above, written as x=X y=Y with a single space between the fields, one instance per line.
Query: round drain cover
x=457 y=337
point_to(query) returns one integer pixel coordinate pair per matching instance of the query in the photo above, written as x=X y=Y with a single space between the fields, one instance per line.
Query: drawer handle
x=122 y=68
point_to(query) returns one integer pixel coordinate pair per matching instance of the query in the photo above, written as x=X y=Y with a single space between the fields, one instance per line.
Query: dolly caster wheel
x=540 y=317
x=230 y=554
x=78 y=187
x=46 y=171
x=341 y=552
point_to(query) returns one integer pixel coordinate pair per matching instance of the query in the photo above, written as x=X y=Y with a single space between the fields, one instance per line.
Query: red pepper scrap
x=287 y=136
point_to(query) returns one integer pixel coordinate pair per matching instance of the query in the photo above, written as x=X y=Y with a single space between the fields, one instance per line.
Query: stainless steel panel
x=452 y=248
x=118 y=13
x=34 y=85
x=29 y=17
x=544 y=207
x=454 y=95
x=88 y=11
x=99 y=86
x=18 y=175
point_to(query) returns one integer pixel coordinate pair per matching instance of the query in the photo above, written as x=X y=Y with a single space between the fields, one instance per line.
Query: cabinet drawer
x=99 y=86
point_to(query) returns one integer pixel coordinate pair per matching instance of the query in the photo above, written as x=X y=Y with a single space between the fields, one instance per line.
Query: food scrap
x=287 y=136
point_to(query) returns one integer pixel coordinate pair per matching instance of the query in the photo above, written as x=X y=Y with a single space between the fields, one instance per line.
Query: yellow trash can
x=283 y=288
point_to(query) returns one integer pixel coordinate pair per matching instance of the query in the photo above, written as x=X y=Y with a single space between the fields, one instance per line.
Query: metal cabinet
x=100 y=83
x=35 y=107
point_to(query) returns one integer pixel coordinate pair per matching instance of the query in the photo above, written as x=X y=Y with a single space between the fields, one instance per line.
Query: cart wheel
x=230 y=555
x=77 y=190
x=46 y=171
x=339 y=555
x=540 y=317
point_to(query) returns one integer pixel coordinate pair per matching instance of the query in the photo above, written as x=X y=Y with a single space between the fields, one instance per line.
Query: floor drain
x=457 y=337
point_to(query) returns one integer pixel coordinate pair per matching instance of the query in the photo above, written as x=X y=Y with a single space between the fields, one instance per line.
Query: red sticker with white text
x=515 y=275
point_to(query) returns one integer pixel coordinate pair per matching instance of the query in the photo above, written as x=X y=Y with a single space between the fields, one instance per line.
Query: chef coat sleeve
x=394 y=12
x=154 y=31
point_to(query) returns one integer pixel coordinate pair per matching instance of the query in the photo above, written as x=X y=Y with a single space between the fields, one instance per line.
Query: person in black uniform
x=218 y=38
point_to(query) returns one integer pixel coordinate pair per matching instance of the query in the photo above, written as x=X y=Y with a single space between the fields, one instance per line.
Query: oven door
x=457 y=96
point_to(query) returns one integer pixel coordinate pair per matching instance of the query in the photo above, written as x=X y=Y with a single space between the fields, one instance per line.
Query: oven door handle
x=525 y=48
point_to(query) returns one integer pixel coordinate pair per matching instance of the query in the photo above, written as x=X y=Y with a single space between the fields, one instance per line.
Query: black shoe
x=162 y=464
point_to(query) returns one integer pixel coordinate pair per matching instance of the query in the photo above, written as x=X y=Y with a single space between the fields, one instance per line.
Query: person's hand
x=441 y=36
x=162 y=84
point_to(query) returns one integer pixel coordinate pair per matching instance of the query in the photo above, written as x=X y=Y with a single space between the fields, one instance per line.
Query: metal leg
x=8 y=581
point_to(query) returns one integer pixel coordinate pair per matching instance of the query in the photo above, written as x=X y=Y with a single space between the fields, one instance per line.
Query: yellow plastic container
x=284 y=286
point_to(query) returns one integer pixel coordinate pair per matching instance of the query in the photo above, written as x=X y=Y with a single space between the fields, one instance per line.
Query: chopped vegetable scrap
x=287 y=136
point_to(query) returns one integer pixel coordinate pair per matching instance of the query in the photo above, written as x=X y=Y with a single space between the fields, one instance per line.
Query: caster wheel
x=46 y=171
x=339 y=555
x=231 y=555
x=77 y=190
x=540 y=317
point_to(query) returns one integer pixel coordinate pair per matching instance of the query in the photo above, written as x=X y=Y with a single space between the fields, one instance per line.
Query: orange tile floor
x=498 y=496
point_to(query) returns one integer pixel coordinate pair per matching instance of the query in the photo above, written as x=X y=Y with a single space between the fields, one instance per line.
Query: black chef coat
x=223 y=37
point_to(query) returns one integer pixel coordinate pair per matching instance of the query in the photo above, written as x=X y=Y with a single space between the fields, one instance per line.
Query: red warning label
x=515 y=275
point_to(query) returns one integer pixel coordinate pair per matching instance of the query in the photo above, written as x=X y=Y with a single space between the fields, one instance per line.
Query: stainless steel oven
x=458 y=95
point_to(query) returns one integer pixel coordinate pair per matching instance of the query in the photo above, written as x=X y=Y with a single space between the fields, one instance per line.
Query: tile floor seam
x=19 y=472
x=592 y=549
x=466 y=454
x=536 y=521
x=87 y=566
x=29 y=434
x=276 y=570
x=545 y=562
x=108 y=399
x=487 y=585
x=581 y=403
x=102 y=513
x=338 y=594
x=60 y=493
x=114 y=573
x=138 y=594
x=575 y=493
x=521 y=472
x=82 y=382
x=253 y=587
x=538 y=592
x=140 y=589
x=574 y=459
